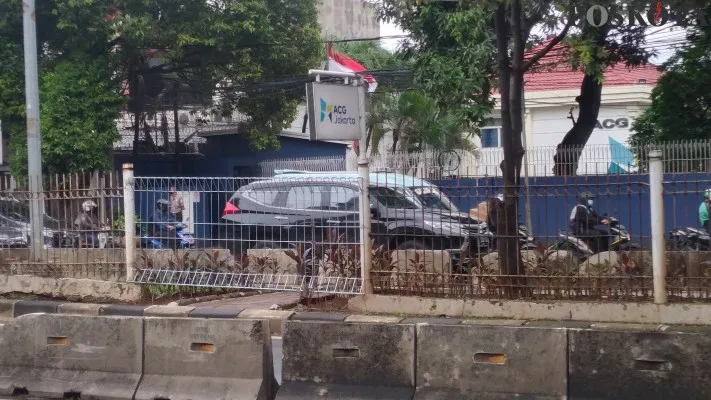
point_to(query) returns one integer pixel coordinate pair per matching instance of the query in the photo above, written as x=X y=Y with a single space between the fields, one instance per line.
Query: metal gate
x=276 y=235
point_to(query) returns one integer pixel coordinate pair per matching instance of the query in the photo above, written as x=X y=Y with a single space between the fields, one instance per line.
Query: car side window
x=306 y=197
x=264 y=196
x=343 y=198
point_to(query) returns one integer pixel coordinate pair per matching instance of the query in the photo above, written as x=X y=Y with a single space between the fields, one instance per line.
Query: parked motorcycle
x=689 y=239
x=617 y=239
x=96 y=239
x=184 y=240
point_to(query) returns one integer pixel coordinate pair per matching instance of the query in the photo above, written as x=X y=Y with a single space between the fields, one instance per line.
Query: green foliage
x=451 y=48
x=416 y=123
x=118 y=222
x=200 y=44
x=681 y=102
x=80 y=102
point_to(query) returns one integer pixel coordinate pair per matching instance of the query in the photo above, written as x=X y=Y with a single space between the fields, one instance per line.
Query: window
x=343 y=198
x=432 y=198
x=490 y=137
x=264 y=196
x=306 y=197
x=392 y=198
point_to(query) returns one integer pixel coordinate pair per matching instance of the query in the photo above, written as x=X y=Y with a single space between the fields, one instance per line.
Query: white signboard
x=334 y=112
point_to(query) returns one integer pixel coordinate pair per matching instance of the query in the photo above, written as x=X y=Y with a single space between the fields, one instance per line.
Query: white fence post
x=129 y=212
x=365 y=220
x=656 y=202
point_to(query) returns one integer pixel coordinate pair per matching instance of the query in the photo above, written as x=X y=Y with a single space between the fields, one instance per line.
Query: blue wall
x=625 y=197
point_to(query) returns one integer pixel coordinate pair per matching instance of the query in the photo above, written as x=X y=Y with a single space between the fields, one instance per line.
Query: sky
x=662 y=39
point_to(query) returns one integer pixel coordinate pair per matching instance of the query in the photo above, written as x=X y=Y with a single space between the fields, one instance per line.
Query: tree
x=452 y=47
x=681 y=102
x=237 y=44
x=461 y=49
x=80 y=104
x=593 y=50
x=416 y=123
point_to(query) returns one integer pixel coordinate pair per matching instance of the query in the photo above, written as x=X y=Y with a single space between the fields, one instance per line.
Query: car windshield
x=432 y=198
x=395 y=198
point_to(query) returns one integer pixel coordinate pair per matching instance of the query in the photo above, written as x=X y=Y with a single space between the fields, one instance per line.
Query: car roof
x=392 y=179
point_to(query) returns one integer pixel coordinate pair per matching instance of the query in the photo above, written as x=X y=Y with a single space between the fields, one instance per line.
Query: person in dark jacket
x=493 y=206
x=584 y=220
x=164 y=224
x=87 y=223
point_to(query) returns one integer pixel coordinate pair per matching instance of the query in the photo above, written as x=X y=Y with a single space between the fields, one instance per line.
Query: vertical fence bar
x=129 y=211
x=656 y=200
x=364 y=172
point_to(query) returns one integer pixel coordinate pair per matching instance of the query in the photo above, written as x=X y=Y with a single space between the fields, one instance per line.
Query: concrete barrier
x=189 y=358
x=638 y=365
x=53 y=355
x=490 y=362
x=341 y=360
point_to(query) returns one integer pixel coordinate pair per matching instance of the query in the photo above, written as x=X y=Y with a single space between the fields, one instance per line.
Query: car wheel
x=413 y=245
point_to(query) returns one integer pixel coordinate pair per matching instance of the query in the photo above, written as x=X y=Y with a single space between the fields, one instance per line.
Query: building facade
x=550 y=112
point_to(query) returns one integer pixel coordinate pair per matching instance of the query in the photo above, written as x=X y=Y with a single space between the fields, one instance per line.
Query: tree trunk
x=569 y=150
x=396 y=139
x=511 y=85
x=177 y=166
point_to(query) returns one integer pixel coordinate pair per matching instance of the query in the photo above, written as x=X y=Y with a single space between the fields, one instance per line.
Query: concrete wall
x=337 y=356
x=347 y=19
x=117 y=358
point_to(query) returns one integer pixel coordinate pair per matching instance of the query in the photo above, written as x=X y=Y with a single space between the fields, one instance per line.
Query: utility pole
x=34 y=138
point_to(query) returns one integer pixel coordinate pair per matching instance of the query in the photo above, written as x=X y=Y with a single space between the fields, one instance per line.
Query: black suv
x=279 y=213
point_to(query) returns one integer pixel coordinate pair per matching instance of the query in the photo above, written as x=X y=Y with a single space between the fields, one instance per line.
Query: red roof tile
x=552 y=72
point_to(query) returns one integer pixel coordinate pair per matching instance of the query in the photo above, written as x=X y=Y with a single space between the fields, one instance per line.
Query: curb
x=277 y=318
x=7 y=308
x=212 y=297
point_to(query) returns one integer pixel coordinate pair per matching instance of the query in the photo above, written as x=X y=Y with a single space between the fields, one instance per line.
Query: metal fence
x=539 y=161
x=436 y=237
x=249 y=233
x=329 y=163
x=76 y=244
x=441 y=236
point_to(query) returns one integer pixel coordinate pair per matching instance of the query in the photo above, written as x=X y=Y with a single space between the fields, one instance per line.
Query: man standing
x=176 y=204
x=704 y=210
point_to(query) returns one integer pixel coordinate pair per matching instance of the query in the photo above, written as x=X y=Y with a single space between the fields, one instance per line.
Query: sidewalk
x=260 y=301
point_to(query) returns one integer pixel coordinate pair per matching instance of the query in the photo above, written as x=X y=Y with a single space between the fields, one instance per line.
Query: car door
x=342 y=222
x=302 y=215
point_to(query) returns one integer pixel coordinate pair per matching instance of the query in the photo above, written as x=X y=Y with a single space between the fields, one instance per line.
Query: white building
x=550 y=94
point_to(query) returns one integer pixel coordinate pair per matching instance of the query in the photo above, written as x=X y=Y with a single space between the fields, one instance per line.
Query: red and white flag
x=341 y=62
